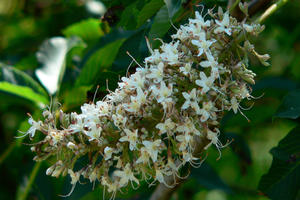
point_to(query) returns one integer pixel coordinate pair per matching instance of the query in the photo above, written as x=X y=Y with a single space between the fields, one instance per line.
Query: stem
x=7 y=152
x=271 y=10
x=231 y=9
x=162 y=192
x=24 y=194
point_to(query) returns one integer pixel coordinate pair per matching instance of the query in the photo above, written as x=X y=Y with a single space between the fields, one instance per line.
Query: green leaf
x=24 y=92
x=290 y=107
x=207 y=177
x=161 y=24
x=148 y=11
x=75 y=97
x=173 y=6
x=276 y=83
x=27 y=63
x=136 y=46
x=19 y=83
x=100 y=61
x=128 y=18
x=283 y=179
x=52 y=56
x=88 y=30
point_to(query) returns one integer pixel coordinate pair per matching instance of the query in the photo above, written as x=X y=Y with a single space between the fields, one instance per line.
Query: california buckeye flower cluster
x=149 y=127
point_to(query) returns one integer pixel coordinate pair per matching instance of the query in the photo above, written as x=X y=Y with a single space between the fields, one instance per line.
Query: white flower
x=71 y=145
x=212 y=136
x=188 y=157
x=248 y=28
x=206 y=82
x=103 y=107
x=210 y=62
x=186 y=69
x=203 y=44
x=35 y=126
x=188 y=127
x=244 y=93
x=234 y=105
x=194 y=30
x=191 y=100
x=125 y=176
x=159 y=176
x=94 y=131
x=141 y=96
x=170 y=53
x=56 y=137
x=157 y=72
x=74 y=176
x=199 y=20
x=224 y=25
x=205 y=112
x=153 y=148
x=182 y=34
x=111 y=187
x=166 y=127
x=136 y=101
x=155 y=58
x=138 y=80
x=163 y=92
x=144 y=158
x=108 y=153
x=184 y=141
x=119 y=120
x=93 y=175
x=131 y=137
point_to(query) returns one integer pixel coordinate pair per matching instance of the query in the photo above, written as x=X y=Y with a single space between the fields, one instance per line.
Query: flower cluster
x=154 y=123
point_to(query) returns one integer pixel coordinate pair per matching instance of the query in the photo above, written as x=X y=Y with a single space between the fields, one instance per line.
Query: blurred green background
x=105 y=32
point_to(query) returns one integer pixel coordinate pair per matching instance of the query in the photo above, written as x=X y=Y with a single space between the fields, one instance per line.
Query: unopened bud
x=50 y=170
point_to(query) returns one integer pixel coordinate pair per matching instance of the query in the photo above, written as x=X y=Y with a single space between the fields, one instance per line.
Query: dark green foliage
x=290 y=107
x=207 y=177
x=100 y=59
x=283 y=179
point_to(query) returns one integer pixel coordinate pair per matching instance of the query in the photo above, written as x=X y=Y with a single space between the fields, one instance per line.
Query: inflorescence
x=152 y=124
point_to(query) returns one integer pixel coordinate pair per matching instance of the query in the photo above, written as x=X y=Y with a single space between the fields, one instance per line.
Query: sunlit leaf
x=88 y=30
x=283 y=179
x=24 y=92
x=52 y=55
x=19 y=83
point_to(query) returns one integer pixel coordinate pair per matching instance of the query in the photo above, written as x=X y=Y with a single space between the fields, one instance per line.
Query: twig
x=232 y=6
x=7 y=152
x=271 y=10
x=32 y=177
x=162 y=192
x=254 y=6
